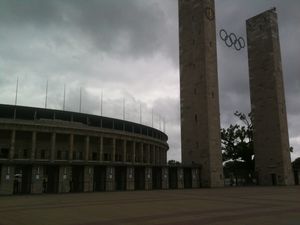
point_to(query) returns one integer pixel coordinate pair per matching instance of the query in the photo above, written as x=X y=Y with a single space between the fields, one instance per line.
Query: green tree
x=237 y=148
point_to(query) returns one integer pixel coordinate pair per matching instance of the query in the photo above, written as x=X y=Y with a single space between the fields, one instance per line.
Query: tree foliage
x=237 y=148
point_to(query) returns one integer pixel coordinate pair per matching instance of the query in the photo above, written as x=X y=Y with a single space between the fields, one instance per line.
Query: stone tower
x=199 y=95
x=271 y=140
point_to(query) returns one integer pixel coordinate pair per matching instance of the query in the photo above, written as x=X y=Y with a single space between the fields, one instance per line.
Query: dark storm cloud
x=127 y=28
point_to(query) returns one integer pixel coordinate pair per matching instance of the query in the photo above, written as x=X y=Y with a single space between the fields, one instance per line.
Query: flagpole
x=17 y=89
x=64 y=102
x=123 y=108
x=46 y=97
x=101 y=103
x=80 y=100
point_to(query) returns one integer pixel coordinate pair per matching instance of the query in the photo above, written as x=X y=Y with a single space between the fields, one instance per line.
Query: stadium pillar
x=130 y=178
x=7 y=180
x=37 y=180
x=87 y=148
x=65 y=175
x=101 y=149
x=180 y=180
x=12 y=145
x=53 y=145
x=33 y=145
x=113 y=149
x=88 y=178
x=142 y=152
x=71 y=147
x=124 y=150
x=133 y=151
x=110 y=178
x=165 y=178
x=148 y=180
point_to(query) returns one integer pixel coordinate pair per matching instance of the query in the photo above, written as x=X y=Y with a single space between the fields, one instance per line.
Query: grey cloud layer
x=130 y=48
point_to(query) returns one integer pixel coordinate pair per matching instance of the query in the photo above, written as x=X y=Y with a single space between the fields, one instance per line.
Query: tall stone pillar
x=199 y=92
x=271 y=139
x=33 y=146
x=12 y=145
x=71 y=150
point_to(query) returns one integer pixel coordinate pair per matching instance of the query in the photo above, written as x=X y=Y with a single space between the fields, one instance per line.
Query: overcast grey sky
x=129 y=48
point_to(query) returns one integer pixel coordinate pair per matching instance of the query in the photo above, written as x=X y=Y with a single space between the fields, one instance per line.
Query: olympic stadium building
x=53 y=151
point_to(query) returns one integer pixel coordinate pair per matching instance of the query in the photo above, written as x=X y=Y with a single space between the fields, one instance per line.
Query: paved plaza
x=234 y=206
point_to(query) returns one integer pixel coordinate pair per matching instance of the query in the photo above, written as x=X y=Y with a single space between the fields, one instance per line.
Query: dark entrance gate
x=173 y=180
x=156 y=178
x=77 y=183
x=120 y=178
x=139 y=178
x=51 y=179
x=22 y=179
x=187 y=176
x=99 y=178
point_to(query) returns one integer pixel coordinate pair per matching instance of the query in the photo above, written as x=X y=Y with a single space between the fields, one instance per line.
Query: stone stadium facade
x=53 y=151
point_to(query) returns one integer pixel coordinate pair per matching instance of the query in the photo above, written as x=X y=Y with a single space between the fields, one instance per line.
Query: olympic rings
x=231 y=40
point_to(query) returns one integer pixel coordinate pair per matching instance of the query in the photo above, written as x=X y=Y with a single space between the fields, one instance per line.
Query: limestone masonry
x=271 y=140
x=199 y=95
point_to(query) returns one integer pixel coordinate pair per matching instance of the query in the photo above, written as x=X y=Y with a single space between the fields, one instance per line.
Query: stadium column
x=65 y=177
x=133 y=151
x=101 y=149
x=130 y=178
x=71 y=147
x=37 y=180
x=12 y=145
x=180 y=181
x=113 y=149
x=148 y=180
x=53 y=146
x=165 y=177
x=148 y=154
x=124 y=150
x=195 y=178
x=142 y=152
x=7 y=180
x=88 y=178
x=153 y=155
x=33 y=145
x=110 y=178
x=87 y=148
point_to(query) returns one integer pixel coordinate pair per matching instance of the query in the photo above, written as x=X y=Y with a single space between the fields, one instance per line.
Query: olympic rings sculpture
x=231 y=40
